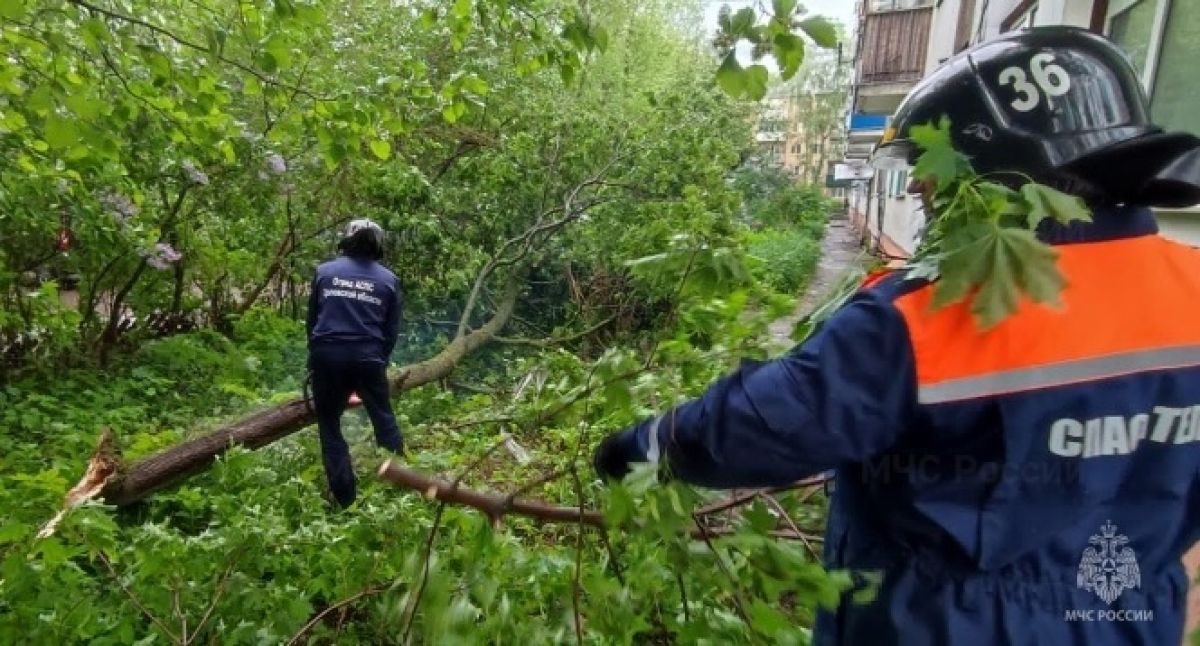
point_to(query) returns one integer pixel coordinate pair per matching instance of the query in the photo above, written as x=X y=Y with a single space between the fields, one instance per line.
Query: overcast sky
x=838 y=10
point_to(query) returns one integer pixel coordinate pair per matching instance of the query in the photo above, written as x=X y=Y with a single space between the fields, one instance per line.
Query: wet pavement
x=841 y=251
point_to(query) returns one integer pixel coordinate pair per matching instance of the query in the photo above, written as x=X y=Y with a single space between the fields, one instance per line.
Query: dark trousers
x=335 y=375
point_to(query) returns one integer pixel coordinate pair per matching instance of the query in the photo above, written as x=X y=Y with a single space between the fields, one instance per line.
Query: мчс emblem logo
x=1108 y=567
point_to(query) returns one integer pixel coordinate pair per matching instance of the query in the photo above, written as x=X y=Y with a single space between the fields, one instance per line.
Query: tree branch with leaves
x=981 y=243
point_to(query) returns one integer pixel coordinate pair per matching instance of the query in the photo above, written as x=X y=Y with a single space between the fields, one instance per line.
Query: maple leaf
x=1046 y=202
x=1002 y=263
x=938 y=158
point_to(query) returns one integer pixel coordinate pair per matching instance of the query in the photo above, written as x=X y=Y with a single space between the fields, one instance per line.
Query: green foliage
x=204 y=154
x=251 y=546
x=777 y=33
x=749 y=571
x=773 y=199
x=980 y=243
x=788 y=258
x=938 y=158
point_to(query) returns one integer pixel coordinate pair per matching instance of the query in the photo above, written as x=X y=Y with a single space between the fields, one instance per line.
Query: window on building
x=775 y=155
x=1131 y=25
x=1162 y=38
x=894 y=182
x=892 y=5
x=1175 y=102
x=1027 y=19
x=962 y=32
x=771 y=125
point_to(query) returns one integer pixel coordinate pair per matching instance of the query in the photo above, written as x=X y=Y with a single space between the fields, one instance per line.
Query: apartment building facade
x=1161 y=37
x=891 y=55
x=800 y=129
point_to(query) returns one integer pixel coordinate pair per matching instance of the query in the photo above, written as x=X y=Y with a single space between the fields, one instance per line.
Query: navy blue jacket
x=355 y=305
x=1034 y=483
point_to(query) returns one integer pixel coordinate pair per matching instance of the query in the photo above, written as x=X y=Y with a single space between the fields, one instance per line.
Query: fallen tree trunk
x=140 y=479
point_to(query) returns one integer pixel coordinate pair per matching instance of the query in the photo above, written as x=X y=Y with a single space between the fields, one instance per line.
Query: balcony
x=863 y=133
x=894 y=44
x=891 y=56
x=868 y=122
x=860 y=149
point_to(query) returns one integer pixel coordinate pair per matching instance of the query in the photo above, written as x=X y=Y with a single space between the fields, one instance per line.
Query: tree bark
x=170 y=466
x=497 y=506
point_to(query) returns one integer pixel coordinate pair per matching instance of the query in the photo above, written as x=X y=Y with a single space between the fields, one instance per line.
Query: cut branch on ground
x=496 y=506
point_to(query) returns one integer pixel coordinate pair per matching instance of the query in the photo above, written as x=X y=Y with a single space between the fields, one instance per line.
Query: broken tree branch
x=102 y=468
x=812 y=485
x=535 y=234
x=133 y=599
x=495 y=506
x=316 y=619
x=791 y=524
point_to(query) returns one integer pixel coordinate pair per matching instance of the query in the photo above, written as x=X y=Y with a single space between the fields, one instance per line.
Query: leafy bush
x=39 y=329
x=785 y=258
x=772 y=199
x=803 y=207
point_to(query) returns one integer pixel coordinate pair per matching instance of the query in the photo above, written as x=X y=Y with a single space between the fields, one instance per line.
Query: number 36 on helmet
x=1059 y=104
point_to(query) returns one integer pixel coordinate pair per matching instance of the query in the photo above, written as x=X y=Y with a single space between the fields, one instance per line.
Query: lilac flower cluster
x=194 y=174
x=120 y=206
x=276 y=163
x=161 y=256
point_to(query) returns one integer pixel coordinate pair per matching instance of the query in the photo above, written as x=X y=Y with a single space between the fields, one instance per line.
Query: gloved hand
x=615 y=453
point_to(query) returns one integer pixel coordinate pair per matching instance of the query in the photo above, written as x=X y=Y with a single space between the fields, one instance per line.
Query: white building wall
x=858 y=199
x=1049 y=12
x=941 y=34
x=1078 y=13
x=903 y=221
x=994 y=13
x=1182 y=225
x=903 y=217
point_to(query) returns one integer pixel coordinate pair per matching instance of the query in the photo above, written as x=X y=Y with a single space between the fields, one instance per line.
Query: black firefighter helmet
x=362 y=239
x=1059 y=104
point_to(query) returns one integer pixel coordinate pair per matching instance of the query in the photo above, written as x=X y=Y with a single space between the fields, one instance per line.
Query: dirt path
x=840 y=251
